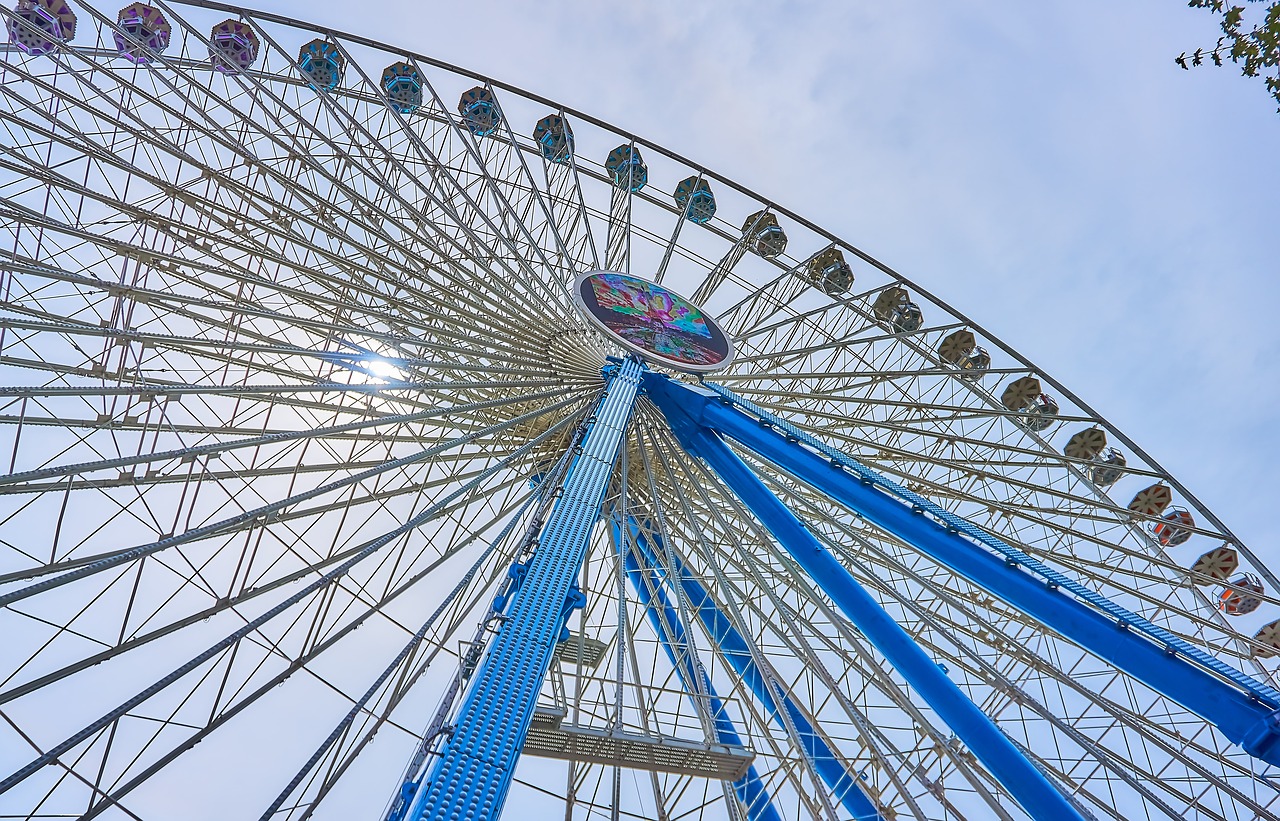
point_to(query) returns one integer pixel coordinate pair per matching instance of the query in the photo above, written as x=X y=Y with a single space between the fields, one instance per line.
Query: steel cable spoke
x=249 y=516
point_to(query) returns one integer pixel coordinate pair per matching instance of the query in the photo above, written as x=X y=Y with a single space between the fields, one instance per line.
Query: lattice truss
x=286 y=377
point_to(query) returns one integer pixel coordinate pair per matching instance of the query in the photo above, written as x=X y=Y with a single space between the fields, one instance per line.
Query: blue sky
x=1045 y=168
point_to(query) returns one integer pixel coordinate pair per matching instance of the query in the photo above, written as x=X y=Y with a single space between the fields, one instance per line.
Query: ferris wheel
x=386 y=441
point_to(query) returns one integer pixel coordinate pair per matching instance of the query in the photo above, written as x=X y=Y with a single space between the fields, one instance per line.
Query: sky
x=1047 y=169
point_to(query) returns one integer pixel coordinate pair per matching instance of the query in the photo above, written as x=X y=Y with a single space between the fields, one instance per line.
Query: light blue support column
x=1029 y=787
x=737 y=652
x=666 y=623
x=471 y=778
x=1244 y=709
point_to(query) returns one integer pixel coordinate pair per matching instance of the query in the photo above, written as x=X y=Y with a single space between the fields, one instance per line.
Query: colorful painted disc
x=653 y=321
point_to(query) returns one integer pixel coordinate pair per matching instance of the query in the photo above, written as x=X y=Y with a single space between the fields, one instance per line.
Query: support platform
x=568 y=742
x=581 y=651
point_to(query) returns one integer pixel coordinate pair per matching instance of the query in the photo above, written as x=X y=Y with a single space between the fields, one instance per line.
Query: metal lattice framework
x=298 y=411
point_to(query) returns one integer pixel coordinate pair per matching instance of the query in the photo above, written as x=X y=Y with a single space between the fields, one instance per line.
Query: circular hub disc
x=652 y=321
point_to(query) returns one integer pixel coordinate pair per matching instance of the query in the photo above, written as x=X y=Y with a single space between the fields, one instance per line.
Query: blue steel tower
x=473 y=772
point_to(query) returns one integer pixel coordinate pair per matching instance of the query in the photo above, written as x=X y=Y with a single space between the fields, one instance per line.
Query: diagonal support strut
x=685 y=409
x=640 y=569
x=1244 y=709
x=473 y=775
x=736 y=651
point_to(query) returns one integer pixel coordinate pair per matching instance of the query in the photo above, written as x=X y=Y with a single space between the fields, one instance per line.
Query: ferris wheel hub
x=652 y=321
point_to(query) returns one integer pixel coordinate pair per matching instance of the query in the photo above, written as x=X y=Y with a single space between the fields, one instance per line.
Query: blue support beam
x=1243 y=709
x=734 y=648
x=471 y=779
x=665 y=619
x=687 y=411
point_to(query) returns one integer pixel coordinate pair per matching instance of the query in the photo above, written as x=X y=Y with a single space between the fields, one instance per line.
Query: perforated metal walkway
x=568 y=742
